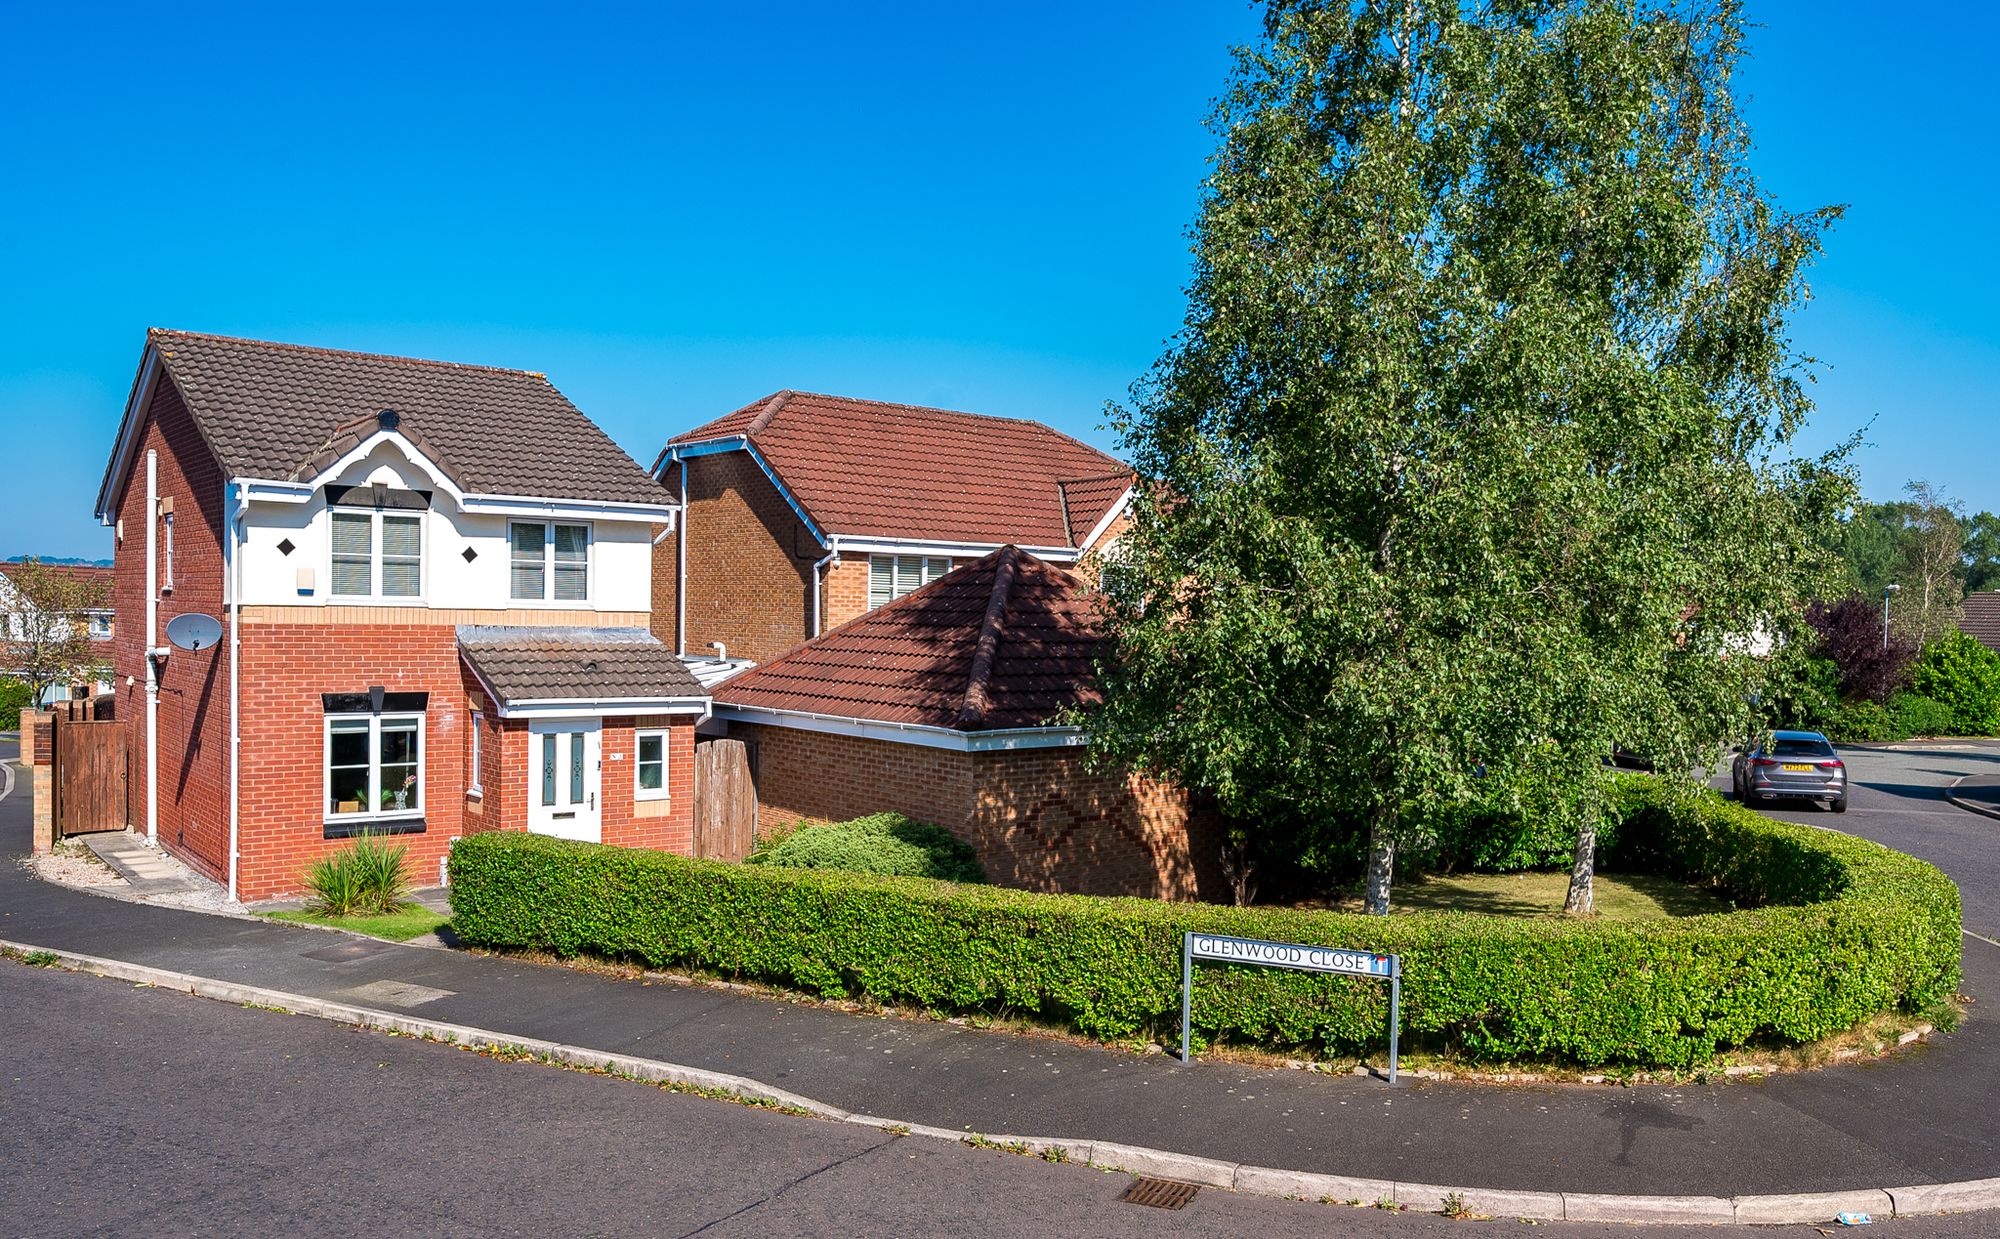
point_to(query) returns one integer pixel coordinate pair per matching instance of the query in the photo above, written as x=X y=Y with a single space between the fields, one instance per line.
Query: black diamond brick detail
x=286 y=547
x=469 y=554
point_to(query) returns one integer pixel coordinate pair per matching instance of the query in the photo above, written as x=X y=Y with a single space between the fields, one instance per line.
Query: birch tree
x=1472 y=458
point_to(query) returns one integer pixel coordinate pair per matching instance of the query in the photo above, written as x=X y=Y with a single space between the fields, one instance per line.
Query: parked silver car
x=1796 y=764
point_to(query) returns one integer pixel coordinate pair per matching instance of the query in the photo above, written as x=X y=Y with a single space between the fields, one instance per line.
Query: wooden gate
x=87 y=770
x=725 y=800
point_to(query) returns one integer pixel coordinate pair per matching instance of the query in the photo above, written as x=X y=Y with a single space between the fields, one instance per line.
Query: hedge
x=1845 y=929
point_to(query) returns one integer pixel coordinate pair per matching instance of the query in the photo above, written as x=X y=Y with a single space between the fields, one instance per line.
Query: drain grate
x=1159 y=1193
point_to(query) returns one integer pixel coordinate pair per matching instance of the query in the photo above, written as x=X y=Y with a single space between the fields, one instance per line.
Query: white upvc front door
x=564 y=779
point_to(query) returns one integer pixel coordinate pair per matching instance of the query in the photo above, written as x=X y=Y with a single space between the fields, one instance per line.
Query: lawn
x=1619 y=896
x=412 y=921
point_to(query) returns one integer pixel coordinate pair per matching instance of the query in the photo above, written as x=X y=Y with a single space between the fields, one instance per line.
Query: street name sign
x=1296 y=957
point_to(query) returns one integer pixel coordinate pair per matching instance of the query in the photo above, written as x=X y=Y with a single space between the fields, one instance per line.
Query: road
x=128 y=1110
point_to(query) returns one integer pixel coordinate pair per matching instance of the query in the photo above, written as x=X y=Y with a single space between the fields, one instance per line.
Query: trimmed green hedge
x=1847 y=929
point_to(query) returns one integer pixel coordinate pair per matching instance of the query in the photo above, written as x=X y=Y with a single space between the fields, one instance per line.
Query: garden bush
x=1963 y=675
x=1835 y=929
x=1918 y=715
x=889 y=844
x=14 y=697
x=368 y=877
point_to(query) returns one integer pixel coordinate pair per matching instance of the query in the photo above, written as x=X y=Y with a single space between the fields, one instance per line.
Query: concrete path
x=1925 y=1118
x=147 y=870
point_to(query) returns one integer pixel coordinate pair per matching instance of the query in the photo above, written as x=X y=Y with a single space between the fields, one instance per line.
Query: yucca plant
x=368 y=877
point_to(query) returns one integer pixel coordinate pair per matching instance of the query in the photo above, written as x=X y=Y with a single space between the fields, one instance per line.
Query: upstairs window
x=377 y=555
x=892 y=576
x=548 y=562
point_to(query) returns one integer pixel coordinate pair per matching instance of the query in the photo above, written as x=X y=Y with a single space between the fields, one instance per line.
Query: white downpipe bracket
x=152 y=644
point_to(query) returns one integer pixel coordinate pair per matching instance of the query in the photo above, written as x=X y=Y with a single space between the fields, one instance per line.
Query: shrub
x=1860 y=722
x=368 y=877
x=14 y=697
x=1962 y=674
x=1918 y=715
x=1850 y=634
x=882 y=843
x=1843 y=929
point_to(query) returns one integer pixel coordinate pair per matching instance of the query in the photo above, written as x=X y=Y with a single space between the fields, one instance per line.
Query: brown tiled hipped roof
x=870 y=469
x=1982 y=618
x=282 y=411
x=98 y=574
x=1006 y=641
x=541 y=664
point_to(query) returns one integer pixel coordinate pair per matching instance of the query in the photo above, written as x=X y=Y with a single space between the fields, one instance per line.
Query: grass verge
x=410 y=921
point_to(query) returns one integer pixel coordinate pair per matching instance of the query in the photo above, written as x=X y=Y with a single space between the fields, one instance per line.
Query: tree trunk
x=1239 y=871
x=1580 y=901
x=1381 y=862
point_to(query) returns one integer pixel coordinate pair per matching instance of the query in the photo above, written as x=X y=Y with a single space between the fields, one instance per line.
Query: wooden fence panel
x=725 y=800
x=88 y=777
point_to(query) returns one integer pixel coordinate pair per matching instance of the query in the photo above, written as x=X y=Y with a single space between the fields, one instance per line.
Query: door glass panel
x=549 y=769
x=576 y=767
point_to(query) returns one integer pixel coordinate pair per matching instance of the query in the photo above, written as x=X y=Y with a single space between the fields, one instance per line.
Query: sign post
x=1297 y=957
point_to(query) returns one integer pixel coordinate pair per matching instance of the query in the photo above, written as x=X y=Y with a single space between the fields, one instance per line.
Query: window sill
x=349 y=827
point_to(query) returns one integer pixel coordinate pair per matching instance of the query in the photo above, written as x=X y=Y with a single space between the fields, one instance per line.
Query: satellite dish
x=194 y=631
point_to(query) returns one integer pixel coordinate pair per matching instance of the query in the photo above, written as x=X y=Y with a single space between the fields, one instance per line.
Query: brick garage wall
x=285 y=669
x=665 y=825
x=1038 y=818
x=501 y=781
x=194 y=687
x=749 y=563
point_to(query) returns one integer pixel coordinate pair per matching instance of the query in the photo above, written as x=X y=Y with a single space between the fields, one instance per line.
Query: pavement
x=1979 y=793
x=1924 y=1117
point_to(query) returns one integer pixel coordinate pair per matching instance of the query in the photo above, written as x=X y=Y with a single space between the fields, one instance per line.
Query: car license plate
x=1797 y=767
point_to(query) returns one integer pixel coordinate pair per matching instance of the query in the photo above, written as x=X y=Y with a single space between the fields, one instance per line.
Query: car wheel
x=1838 y=804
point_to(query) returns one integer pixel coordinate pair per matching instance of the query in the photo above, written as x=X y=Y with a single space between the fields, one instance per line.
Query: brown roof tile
x=1006 y=641
x=1982 y=618
x=870 y=469
x=539 y=664
x=276 y=410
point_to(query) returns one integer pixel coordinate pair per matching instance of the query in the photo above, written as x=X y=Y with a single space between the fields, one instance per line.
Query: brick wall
x=846 y=585
x=1037 y=818
x=194 y=687
x=749 y=563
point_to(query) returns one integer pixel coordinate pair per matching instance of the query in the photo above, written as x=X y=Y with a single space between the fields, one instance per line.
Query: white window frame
x=664 y=790
x=476 y=719
x=548 y=598
x=927 y=568
x=376 y=814
x=375 y=596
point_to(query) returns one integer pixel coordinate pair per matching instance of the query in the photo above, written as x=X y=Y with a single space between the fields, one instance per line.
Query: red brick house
x=99 y=622
x=433 y=587
x=949 y=705
x=803 y=511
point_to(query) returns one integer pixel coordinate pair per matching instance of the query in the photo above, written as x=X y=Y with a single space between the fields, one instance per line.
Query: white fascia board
x=127 y=447
x=1111 y=514
x=908 y=733
x=741 y=443
x=863 y=545
x=596 y=707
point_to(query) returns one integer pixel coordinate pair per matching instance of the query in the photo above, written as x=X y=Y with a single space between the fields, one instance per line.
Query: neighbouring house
x=1981 y=619
x=433 y=585
x=949 y=705
x=802 y=511
x=99 y=621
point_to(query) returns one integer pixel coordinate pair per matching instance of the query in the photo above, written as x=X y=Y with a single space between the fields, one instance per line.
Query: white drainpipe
x=681 y=582
x=232 y=571
x=819 y=566
x=152 y=642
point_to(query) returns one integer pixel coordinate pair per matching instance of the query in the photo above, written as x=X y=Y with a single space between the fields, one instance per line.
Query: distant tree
x=1871 y=545
x=1474 y=450
x=1982 y=553
x=1933 y=564
x=45 y=626
x=1850 y=634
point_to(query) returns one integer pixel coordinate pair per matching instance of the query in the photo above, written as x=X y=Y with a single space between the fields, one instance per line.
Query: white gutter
x=819 y=566
x=232 y=573
x=955 y=550
x=924 y=734
x=152 y=643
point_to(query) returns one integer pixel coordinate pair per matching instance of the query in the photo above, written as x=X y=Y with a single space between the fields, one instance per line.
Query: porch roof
x=575 y=670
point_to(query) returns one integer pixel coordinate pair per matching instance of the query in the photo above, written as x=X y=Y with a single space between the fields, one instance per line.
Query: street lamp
x=1886 y=591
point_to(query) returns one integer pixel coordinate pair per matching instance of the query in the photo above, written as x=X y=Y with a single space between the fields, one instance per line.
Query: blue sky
x=676 y=209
